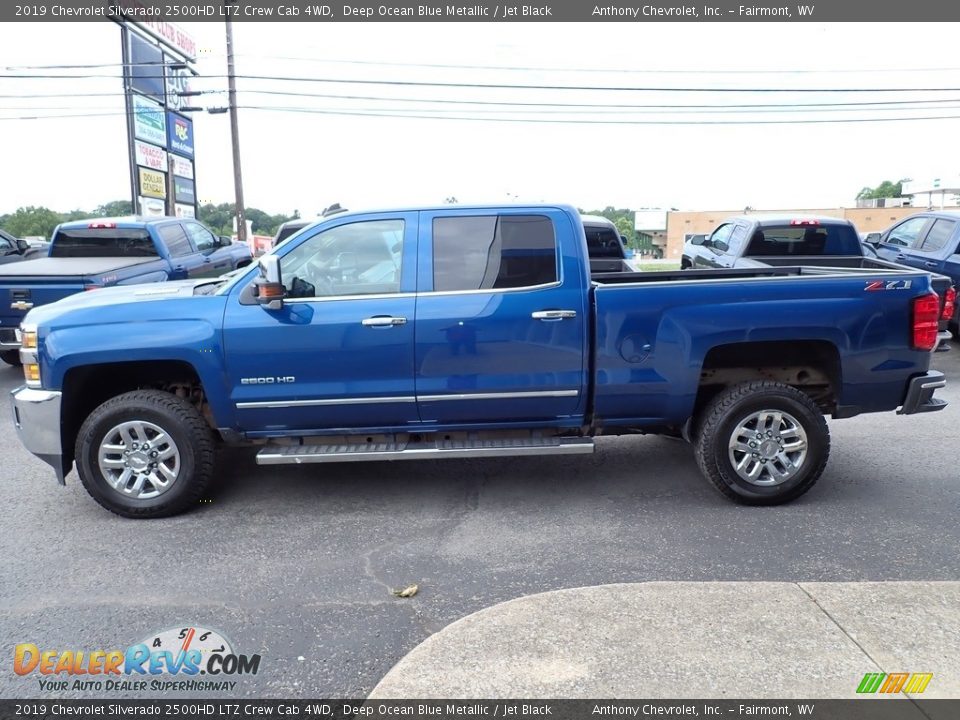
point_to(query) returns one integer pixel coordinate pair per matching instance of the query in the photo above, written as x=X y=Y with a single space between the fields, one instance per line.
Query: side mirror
x=872 y=238
x=720 y=246
x=270 y=290
x=698 y=240
x=22 y=245
x=225 y=241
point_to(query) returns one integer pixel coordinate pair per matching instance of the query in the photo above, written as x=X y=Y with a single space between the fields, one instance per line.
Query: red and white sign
x=181 y=166
x=150 y=156
x=169 y=34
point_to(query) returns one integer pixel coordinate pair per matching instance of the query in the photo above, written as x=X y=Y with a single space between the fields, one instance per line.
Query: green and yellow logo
x=894 y=683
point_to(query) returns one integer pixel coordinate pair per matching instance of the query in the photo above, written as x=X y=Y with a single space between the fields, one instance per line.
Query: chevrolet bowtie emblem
x=21 y=305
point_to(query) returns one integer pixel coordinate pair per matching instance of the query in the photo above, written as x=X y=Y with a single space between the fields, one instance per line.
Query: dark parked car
x=928 y=241
x=13 y=249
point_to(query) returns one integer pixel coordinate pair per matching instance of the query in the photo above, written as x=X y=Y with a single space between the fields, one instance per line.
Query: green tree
x=32 y=221
x=886 y=189
x=115 y=208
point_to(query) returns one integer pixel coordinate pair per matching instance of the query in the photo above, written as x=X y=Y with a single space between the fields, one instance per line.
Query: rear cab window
x=803 y=238
x=102 y=242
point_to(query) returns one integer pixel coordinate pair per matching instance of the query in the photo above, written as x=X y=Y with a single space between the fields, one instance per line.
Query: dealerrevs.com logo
x=170 y=660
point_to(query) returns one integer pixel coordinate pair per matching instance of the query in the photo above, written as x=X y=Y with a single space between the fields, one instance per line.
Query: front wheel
x=11 y=357
x=762 y=443
x=145 y=454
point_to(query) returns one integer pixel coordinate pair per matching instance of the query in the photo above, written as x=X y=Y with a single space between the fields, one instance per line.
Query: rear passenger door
x=501 y=329
x=185 y=261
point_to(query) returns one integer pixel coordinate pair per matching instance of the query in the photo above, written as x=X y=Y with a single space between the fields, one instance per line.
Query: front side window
x=202 y=238
x=493 y=252
x=362 y=258
x=905 y=234
x=720 y=239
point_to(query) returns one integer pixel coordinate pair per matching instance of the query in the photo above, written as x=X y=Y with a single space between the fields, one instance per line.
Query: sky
x=308 y=152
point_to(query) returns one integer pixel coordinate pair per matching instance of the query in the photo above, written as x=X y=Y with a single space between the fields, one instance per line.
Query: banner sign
x=150 y=156
x=180 y=134
x=183 y=191
x=181 y=166
x=148 y=121
x=185 y=211
x=145 y=71
x=153 y=184
x=177 y=81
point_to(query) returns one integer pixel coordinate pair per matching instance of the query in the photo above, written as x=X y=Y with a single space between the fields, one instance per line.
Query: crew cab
x=460 y=331
x=93 y=254
x=750 y=241
x=928 y=241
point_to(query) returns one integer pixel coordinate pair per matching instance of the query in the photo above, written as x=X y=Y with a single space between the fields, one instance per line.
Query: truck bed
x=45 y=269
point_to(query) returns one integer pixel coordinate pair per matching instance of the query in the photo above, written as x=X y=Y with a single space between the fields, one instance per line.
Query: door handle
x=553 y=314
x=930 y=264
x=383 y=321
x=900 y=257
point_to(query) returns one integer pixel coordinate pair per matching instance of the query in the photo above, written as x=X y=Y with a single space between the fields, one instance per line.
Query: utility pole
x=235 y=138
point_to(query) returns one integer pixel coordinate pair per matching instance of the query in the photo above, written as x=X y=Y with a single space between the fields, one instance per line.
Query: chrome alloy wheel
x=139 y=459
x=768 y=447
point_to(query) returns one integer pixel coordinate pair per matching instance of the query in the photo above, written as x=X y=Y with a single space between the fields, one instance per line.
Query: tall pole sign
x=158 y=62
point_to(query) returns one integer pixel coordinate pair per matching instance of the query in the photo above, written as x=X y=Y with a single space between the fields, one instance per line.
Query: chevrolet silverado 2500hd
x=465 y=332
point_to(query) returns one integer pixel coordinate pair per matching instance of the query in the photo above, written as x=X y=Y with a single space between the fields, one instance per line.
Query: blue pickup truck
x=929 y=241
x=465 y=332
x=92 y=254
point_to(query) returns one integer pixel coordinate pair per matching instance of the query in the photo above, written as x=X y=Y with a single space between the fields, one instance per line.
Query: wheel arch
x=86 y=387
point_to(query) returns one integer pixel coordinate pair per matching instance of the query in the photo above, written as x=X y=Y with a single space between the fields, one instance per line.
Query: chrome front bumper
x=36 y=415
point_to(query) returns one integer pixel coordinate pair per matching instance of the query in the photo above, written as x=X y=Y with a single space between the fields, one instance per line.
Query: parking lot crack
x=876 y=663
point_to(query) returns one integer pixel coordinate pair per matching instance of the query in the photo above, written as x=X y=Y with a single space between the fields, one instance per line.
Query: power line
x=411 y=115
x=519 y=68
x=506 y=86
x=505 y=103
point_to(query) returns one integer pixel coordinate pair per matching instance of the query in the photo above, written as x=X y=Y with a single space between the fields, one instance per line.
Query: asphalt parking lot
x=297 y=563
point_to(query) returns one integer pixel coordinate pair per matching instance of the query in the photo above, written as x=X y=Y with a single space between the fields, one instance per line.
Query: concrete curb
x=691 y=640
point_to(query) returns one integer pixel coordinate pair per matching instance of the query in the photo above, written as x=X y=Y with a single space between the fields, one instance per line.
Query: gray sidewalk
x=692 y=640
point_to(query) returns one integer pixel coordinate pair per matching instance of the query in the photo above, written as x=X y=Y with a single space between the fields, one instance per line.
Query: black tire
x=729 y=411
x=175 y=416
x=11 y=357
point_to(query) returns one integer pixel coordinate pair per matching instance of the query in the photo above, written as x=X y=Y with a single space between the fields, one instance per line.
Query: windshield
x=787 y=239
x=102 y=242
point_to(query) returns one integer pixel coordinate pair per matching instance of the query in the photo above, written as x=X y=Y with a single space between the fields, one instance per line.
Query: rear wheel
x=145 y=454
x=11 y=357
x=762 y=443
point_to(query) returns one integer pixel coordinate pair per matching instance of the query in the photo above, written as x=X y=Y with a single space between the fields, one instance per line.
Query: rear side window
x=175 y=239
x=940 y=232
x=493 y=252
x=102 y=242
x=788 y=239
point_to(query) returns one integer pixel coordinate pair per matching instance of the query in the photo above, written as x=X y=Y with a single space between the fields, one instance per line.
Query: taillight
x=949 y=304
x=926 y=316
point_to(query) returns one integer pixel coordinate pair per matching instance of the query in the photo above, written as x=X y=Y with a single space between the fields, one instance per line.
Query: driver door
x=338 y=356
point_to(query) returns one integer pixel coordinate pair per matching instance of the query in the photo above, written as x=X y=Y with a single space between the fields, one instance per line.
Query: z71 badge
x=887 y=285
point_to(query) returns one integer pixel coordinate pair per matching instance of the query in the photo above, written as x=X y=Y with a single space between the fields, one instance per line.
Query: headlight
x=28 y=339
